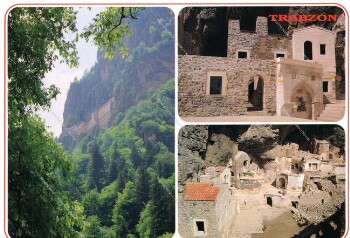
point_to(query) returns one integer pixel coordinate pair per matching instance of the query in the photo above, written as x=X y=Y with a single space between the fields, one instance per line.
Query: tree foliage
x=96 y=167
x=53 y=194
x=38 y=167
x=109 y=28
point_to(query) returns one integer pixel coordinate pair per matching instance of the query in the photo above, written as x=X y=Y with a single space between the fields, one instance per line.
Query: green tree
x=38 y=168
x=144 y=226
x=97 y=167
x=109 y=28
x=113 y=168
x=142 y=185
x=93 y=229
x=91 y=202
x=126 y=211
x=162 y=208
x=38 y=173
x=107 y=200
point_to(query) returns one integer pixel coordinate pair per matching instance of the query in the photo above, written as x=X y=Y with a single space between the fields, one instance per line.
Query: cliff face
x=113 y=86
x=203 y=146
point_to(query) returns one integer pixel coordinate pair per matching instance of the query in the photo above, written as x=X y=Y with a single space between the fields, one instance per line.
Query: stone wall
x=259 y=43
x=226 y=210
x=190 y=211
x=192 y=85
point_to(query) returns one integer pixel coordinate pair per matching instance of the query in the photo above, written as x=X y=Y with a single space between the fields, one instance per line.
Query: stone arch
x=303 y=95
x=305 y=87
x=307 y=50
x=256 y=90
x=281 y=182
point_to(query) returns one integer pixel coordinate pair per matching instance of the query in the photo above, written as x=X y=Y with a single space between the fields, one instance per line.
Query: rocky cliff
x=203 y=146
x=101 y=96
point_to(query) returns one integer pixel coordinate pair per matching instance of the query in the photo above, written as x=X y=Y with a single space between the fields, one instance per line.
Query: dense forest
x=124 y=177
x=119 y=180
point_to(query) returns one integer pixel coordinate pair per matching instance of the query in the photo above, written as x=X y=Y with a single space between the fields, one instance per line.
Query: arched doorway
x=255 y=93
x=307 y=50
x=303 y=97
x=281 y=183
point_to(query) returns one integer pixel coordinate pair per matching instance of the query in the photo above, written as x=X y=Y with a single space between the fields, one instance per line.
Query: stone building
x=206 y=210
x=244 y=172
x=263 y=74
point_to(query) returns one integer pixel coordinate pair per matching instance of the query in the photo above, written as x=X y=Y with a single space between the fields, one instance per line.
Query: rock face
x=319 y=200
x=258 y=139
x=203 y=146
x=112 y=86
x=192 y=149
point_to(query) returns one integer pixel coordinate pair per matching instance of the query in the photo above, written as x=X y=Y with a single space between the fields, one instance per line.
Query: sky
x=62 y=75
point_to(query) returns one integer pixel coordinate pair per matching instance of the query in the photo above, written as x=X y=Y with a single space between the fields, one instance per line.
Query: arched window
x=307 y=50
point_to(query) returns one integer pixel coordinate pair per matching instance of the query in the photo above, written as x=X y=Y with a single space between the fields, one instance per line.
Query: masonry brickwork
x=193 y=73
x=286 y=75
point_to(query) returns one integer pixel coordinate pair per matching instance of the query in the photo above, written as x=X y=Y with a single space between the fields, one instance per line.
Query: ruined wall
x=226 y=210
x=295 y=181
x=259 y=43
x=189 y=211
x=193 y=74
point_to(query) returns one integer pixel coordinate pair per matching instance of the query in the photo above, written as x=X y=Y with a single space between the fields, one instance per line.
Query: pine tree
x=161 y=207
x=142 y=185
x=113 y=170
x=97 y=167
x=126 y=213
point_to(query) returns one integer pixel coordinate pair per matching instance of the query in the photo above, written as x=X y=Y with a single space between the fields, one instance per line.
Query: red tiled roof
x=201 y=192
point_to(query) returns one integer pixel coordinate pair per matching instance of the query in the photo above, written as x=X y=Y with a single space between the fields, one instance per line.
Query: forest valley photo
x=111 y=171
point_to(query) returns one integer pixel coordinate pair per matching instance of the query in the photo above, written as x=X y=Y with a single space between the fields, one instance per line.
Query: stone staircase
x=333 y=112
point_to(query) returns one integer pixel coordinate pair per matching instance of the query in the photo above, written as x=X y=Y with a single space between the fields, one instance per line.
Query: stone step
x=335 y=107
x=329 y=119
x=333 y=111
x=256 y=113
x=335 y=114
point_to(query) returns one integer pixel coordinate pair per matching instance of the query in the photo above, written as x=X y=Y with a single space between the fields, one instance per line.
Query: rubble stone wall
x=190 y=211
x=259 y=43
x=193 y=74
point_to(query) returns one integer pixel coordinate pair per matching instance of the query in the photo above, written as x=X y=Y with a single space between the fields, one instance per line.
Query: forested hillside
x=125 y=176
x=117 y=177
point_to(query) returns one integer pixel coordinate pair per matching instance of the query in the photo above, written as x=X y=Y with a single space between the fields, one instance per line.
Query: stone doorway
x=255 y=94
x=281 y=183
x=303 y=97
